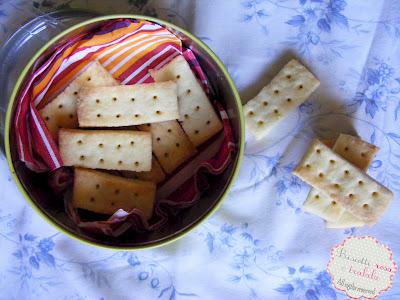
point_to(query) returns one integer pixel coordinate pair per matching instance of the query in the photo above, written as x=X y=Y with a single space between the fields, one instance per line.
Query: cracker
x=197 y=116
x=127 y=105
x=343 y=182
x=357 y=152
x=106 y=149
x=323 y=206
x=61 y=112
x=171 y=146
x=346 y=220
x=361 y=154
x=104 y=193
x=156 y=174
x=287 y=90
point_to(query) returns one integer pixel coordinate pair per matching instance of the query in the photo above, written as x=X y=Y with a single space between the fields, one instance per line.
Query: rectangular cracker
x=197 y=116
x=61 y=112
x=357 y=152
x=156 y=174
x=106 y=149
x=104 y=193
x=171 y=146
x=343 y=182
x=127 y=105
x=361 y=154
x=287 y=90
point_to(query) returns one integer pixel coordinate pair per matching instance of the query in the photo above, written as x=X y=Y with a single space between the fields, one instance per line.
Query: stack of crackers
x=143 y=131
x=343 y=194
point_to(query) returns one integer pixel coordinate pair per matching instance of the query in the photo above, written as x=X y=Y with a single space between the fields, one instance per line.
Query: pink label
x=362 y=267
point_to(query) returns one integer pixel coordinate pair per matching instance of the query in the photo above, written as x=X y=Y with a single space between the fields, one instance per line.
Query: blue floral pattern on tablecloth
x=260 y=244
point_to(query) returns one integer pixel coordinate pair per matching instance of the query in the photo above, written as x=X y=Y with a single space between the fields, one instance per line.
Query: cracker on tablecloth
x=357 y=152
x=330 y=173
x=287 y=90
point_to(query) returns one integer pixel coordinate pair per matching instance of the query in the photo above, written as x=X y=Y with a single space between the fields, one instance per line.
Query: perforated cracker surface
x=197 y=116
x=61 y=111
x=106 y=149
x=171 y=146
x=343 y=182
x=128 y=105
x=104 y=193
x=287 y=90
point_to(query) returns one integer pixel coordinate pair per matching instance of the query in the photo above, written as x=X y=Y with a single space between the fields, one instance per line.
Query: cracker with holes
x=127 y=105
x=344 y=183
x=156 y=174
x=61 y=112
x=323 y=206
x=197 y=116
x=106 y=149
x=104 y=193
x=357 y=152
x=287 y=90
x=361 y=154
x=171 y=146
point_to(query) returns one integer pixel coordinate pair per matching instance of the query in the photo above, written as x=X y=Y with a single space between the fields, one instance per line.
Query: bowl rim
x=69 y=233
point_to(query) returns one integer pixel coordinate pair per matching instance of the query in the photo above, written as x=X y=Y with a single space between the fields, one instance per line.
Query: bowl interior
x=52 y=207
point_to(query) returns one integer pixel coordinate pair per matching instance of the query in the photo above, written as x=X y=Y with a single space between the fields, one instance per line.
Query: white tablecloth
x=260 y=244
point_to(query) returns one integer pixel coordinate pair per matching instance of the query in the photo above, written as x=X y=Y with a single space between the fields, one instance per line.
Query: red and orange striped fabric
x=126 y=48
